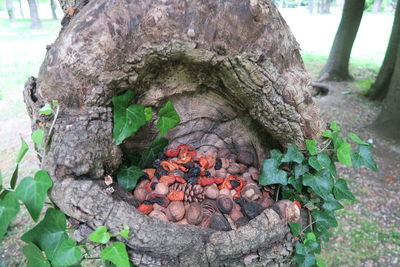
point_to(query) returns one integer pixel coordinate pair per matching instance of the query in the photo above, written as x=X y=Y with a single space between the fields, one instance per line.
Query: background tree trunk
x=234 y=73
x=311 y=6
x=33 y=10
x=337 y=67
x=388 y=121
x=10 y=10
x=53 y=9
x=376 y=8
x=381 y=85
x=21 y=9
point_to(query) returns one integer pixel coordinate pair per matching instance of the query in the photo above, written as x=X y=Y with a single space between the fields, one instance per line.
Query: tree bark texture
x=236 y=78
x=34 y=13
x=337 y=67
x=10 y=10
x=388 y=121
x=381 y=85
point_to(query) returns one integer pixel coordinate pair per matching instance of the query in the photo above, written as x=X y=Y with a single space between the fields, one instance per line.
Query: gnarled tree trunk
x=235 y=75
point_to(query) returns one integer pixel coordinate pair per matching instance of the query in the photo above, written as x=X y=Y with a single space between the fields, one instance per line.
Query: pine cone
x=193 y=193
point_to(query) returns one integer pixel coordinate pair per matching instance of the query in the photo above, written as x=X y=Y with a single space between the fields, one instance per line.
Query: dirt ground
x=368 y=232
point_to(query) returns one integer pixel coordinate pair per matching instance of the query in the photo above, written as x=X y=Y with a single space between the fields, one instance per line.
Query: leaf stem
x=277 y=193
x=46 y=143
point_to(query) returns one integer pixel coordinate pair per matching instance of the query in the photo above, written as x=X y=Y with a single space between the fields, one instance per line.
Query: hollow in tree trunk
x=381 y=85
x=337 y=67
x=234 y=73
x=10 y=9
x=34 y=13
x=388 y=121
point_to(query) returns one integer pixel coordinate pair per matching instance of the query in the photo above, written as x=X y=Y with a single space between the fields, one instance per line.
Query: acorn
x=236 y=214
x=140 y=193
x=224 y=204
x=254 y=173
x=212 y=191
x=175 y=211
x=225 y=191
x=219 y=223
x=234 y=168
x=251 y=209
x=161 y=189
x=287 y=210
x=251 y=192
x=194 y=213
x=159 y=215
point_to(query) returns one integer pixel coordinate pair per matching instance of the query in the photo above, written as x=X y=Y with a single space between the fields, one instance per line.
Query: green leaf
x=35 y=256
x=337 y=140
x=24 y=148
x=300 y=169
x=313 y=162
x=127 y=119
x=33 y=191
x=9 y=208
x=320 y=262
x=335 y=126
x=307 y=260
x=312 y=243
x=344 y=153
x=295 y=228
x=321 y=183
x=67 y=254
x=14 y=177
x=125 y=232
x=168 y=118
x=327 y=134
x=117 y=254
x=301 y=249
x=312 y=147
x=341 y=191
x=271 y=174
x=326 y=163
x=293 y=155
x=357 y=139
x=49 y=233
x=331 y=204
x=37 y=137
x=324 y=220
x=128 y=177
x=296 y=183
x=46 y=110
x=1 y=181
x=148 y=113
x=100 y=235
x=150 y=154
x=364 y=157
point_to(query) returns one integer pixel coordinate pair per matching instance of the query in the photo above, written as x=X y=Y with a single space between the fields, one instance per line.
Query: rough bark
x=337 y=67
x=376 y=8
x=235 y=75
x=380 y=87
x=10 y=10
x=34 y=13
x=53 y=7
x=388 y=121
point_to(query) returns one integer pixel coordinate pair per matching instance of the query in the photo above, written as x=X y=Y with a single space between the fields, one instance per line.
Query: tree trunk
x=21 y=9
x=376 y=8
x=33 y=10
x=337 y=67
x=311 y=5
x=10 y=10
x=53 y=9
x=381 y=85
x=388 y=121
x=234 y=73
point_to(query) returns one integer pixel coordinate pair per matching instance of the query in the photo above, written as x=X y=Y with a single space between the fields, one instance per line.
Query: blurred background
x=368 y=232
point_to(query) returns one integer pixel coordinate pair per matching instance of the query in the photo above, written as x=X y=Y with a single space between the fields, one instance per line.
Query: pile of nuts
x=216 y=189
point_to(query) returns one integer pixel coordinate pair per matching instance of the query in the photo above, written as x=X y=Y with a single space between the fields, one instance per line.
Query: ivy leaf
x=271 y=174
x=37 y=137
x=125 y=232
x=116 y=253
x=100 y=235
x=277 y=155
x=344 y=153
x=35 y=256
x=67 y=254
x=46 y=110
x=331 y=204
x=327 y=134
x=337 y=140
x=341 y=191
x=48 y=234
x=293 y=155
x=312 y=243
x=364 y=157
x=128 y=177
x=14 y=177
x=24 y=148
x=320 y=262
x=296 y=183
x=312 y=147
x=168 y=118
x=300 y=169
x=321 y=183
x=150 y=154
x=307 y=260
x=324 y=220
x=148 y=113
x=9 y=208
x=313 y=162
x=33 y=191
x=325 y=162
x=335 y=126
x=357 y=139
x=1 y=182
x=127 y=120
x=295 y=228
